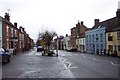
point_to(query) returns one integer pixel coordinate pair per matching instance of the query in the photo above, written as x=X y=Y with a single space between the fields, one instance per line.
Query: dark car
x=4 y=55
x=40 y=49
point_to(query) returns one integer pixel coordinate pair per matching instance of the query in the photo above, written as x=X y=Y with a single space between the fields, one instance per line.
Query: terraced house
x=98 y=38
x=113 y=37
x=12 y=37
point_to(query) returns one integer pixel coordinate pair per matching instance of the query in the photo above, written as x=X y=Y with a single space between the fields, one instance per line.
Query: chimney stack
x=96 y=21
x=78 y=24
x=23 y=29
x=81 y=22
x=7 y=16
x=118 y=13
x=15 y=24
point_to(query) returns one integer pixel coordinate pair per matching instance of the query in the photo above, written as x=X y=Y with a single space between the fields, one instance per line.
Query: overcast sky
x=57 y=15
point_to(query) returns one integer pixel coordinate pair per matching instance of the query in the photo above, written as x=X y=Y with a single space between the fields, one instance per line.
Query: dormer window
x=99 y=26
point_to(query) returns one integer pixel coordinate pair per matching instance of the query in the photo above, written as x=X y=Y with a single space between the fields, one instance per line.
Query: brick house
x=10 y=34
x=73 y=38
x=77 y=33
x=12 y=37
x=80 y=40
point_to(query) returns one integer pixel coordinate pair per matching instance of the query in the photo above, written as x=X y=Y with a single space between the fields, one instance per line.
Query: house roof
x=109 y=24
x=8 y=22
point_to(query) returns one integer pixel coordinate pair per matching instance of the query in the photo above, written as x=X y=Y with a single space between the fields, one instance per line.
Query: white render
x=66 y=43
x=81 y=44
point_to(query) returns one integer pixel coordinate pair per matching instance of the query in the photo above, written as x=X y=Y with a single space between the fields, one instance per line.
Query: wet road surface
x=66 y=65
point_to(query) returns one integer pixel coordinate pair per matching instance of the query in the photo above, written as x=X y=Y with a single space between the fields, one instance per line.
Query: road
x=66 y=65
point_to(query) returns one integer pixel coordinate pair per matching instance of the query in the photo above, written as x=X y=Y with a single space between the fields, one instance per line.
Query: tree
x=47 y=38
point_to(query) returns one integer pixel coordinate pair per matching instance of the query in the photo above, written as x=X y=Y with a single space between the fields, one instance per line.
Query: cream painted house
x=66 y=43
x=113 y=43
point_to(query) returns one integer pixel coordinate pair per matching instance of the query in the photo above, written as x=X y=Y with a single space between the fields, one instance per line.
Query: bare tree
x=47 y=37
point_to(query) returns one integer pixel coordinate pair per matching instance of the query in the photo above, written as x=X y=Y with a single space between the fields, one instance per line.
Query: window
x=11 y=32
x=89 y=38
x=93 y=37
x=101 y=37
x=83 y=41
x=101 y=47
x=110 y=38
x=7 y=43
x=15 y=33
x=87 y=47
x=97 y=46
x=111 y=48
x=118 y=47
x=7 y=31
x=115 y=47
x=118 y=35
x=97 y=37
x=20 y=44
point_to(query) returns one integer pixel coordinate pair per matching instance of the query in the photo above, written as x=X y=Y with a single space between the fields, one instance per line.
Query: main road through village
x=67 y=65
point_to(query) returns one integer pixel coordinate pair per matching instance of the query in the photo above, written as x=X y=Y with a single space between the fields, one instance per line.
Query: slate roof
x=110 y=24
x=8 y=22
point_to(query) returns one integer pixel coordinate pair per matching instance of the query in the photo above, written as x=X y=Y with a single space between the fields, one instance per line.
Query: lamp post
x=57 y=45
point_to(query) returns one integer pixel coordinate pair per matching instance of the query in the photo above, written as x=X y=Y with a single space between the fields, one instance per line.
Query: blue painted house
x=95 y=40
x=96 y=37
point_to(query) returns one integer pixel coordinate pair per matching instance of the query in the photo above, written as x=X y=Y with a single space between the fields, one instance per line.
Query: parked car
x=40 y=49
x=4 y=56
x=71 y=49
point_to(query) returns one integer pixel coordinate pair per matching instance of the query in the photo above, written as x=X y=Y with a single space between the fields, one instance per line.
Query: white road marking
x=70 y=73
x=112 y=63
x=37 y=54
x=64 y=60
x=115 y=64
x=67 y=64
x=94 y=59
x=75 y=54
x=31 y=53
x=84 y=56
x=73 y=67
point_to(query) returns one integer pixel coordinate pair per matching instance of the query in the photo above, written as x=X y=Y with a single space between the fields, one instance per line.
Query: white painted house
x=66 y=43
x=82 y=45
x=80 y=42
